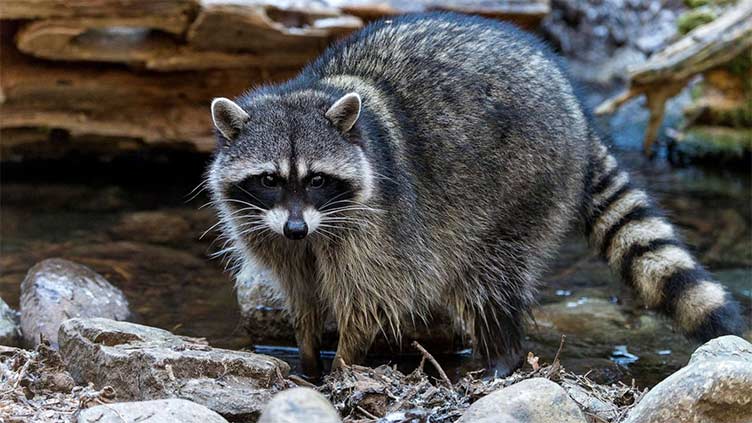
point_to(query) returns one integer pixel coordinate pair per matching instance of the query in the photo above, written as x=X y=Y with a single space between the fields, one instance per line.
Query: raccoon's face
x=291 y=166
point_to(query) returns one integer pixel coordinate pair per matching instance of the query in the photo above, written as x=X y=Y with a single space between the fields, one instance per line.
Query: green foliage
x=694 y=18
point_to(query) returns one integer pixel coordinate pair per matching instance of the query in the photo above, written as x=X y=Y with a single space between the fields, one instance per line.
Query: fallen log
x=665 y=74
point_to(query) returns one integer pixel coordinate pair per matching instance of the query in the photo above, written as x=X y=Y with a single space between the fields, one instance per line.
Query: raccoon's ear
x=344 y=112
x=228 y=117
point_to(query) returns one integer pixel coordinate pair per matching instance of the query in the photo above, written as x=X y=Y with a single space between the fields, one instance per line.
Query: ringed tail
x=643 y=248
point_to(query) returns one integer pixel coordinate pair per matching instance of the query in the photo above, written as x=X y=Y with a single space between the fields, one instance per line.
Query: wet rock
x=585 y=317
x=55 y=290
x=236 y=384
x=154 y=226
x=533 y=400
x=158 y=411
x=10 y=333
x=715 y=386
x=299 y=405
x=724 y=347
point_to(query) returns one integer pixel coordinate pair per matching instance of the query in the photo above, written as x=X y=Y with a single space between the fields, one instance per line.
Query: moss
x=716 y=144
x=694 y=18
x=694 y=4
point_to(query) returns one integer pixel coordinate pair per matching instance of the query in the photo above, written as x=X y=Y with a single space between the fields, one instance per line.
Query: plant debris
x=35 y=386
x=364 y=394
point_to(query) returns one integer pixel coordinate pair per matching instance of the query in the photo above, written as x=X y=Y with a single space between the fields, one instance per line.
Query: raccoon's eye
x=317 y=181
x=269 y=181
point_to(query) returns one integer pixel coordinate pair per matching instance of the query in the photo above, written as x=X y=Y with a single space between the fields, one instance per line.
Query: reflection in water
x=143 y=237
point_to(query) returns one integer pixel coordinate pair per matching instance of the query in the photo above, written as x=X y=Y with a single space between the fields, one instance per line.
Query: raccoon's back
x=489 y=121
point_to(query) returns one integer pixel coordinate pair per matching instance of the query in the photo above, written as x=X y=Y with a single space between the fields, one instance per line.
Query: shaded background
x=105 y=133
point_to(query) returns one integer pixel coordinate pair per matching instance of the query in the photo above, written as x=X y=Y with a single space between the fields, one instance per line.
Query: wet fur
x=480 y=158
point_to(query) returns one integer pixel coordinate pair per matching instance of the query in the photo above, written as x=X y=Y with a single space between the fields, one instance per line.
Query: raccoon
x=436 y=161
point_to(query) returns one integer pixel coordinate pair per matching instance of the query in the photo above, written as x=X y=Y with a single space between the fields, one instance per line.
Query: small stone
x=55 y=290
x=728 y=347
x=533 y=400
x=154 y=226
x=10 y=332
x=235 y=384
x=158 y=411
x=715 y=386
x=299 y=405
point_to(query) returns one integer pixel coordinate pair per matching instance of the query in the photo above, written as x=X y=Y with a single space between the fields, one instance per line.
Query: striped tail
x=644 y=249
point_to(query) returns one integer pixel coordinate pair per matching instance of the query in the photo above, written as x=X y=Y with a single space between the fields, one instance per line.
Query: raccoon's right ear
x=228 y=117
x=344 y=112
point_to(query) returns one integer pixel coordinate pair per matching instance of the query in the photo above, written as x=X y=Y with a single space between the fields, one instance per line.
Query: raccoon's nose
x=296 y=229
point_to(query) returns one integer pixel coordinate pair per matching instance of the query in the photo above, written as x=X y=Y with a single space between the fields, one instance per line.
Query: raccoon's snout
x=296 y=229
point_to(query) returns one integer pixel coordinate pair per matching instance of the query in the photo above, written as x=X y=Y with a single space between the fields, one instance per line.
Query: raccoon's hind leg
x=497 y=334
x=493 y=306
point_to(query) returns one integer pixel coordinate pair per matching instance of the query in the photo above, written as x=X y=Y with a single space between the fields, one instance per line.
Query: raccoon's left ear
x=344 y=112
x=228 y=117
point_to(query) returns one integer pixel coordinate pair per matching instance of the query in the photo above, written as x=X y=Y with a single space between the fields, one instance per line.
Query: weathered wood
x=113 y=101
x=134 y=41
x=33 y=9
x=705 y=47
x=664 y=75
x=263 y=27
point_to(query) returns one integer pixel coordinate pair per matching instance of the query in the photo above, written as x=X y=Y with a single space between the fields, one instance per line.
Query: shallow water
x=94 y=214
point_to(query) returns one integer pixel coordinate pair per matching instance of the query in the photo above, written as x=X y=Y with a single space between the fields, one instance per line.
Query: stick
x=366 y=413
x=427 y=355
x=561 y=345
x=556 y=365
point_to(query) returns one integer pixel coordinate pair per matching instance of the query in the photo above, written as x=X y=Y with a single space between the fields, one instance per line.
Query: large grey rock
x=144 y=363
x=10 y=333
x=716 y=386
x=536 y=400
x=158 y=411
x=299 y=405
x=724 y=347
x=55 y=290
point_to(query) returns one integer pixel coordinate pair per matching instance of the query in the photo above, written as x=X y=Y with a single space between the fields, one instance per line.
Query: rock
x=533 y=400
x=299 y=405
x=728 y=347
x=158 y=411
x=585 y=317
x=10 y=332
x=55 y=290
x=154 y=226
x=715 y=386
x=236 y=384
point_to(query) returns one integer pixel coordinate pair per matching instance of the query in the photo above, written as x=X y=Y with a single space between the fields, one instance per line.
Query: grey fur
x=470 y=160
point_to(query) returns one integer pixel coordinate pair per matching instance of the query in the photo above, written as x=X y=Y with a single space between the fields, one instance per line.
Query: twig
x=561 y=345
x=22 y=373
x=433 y=361
x=300 y=381
x=556 y=365
x=366 y=413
